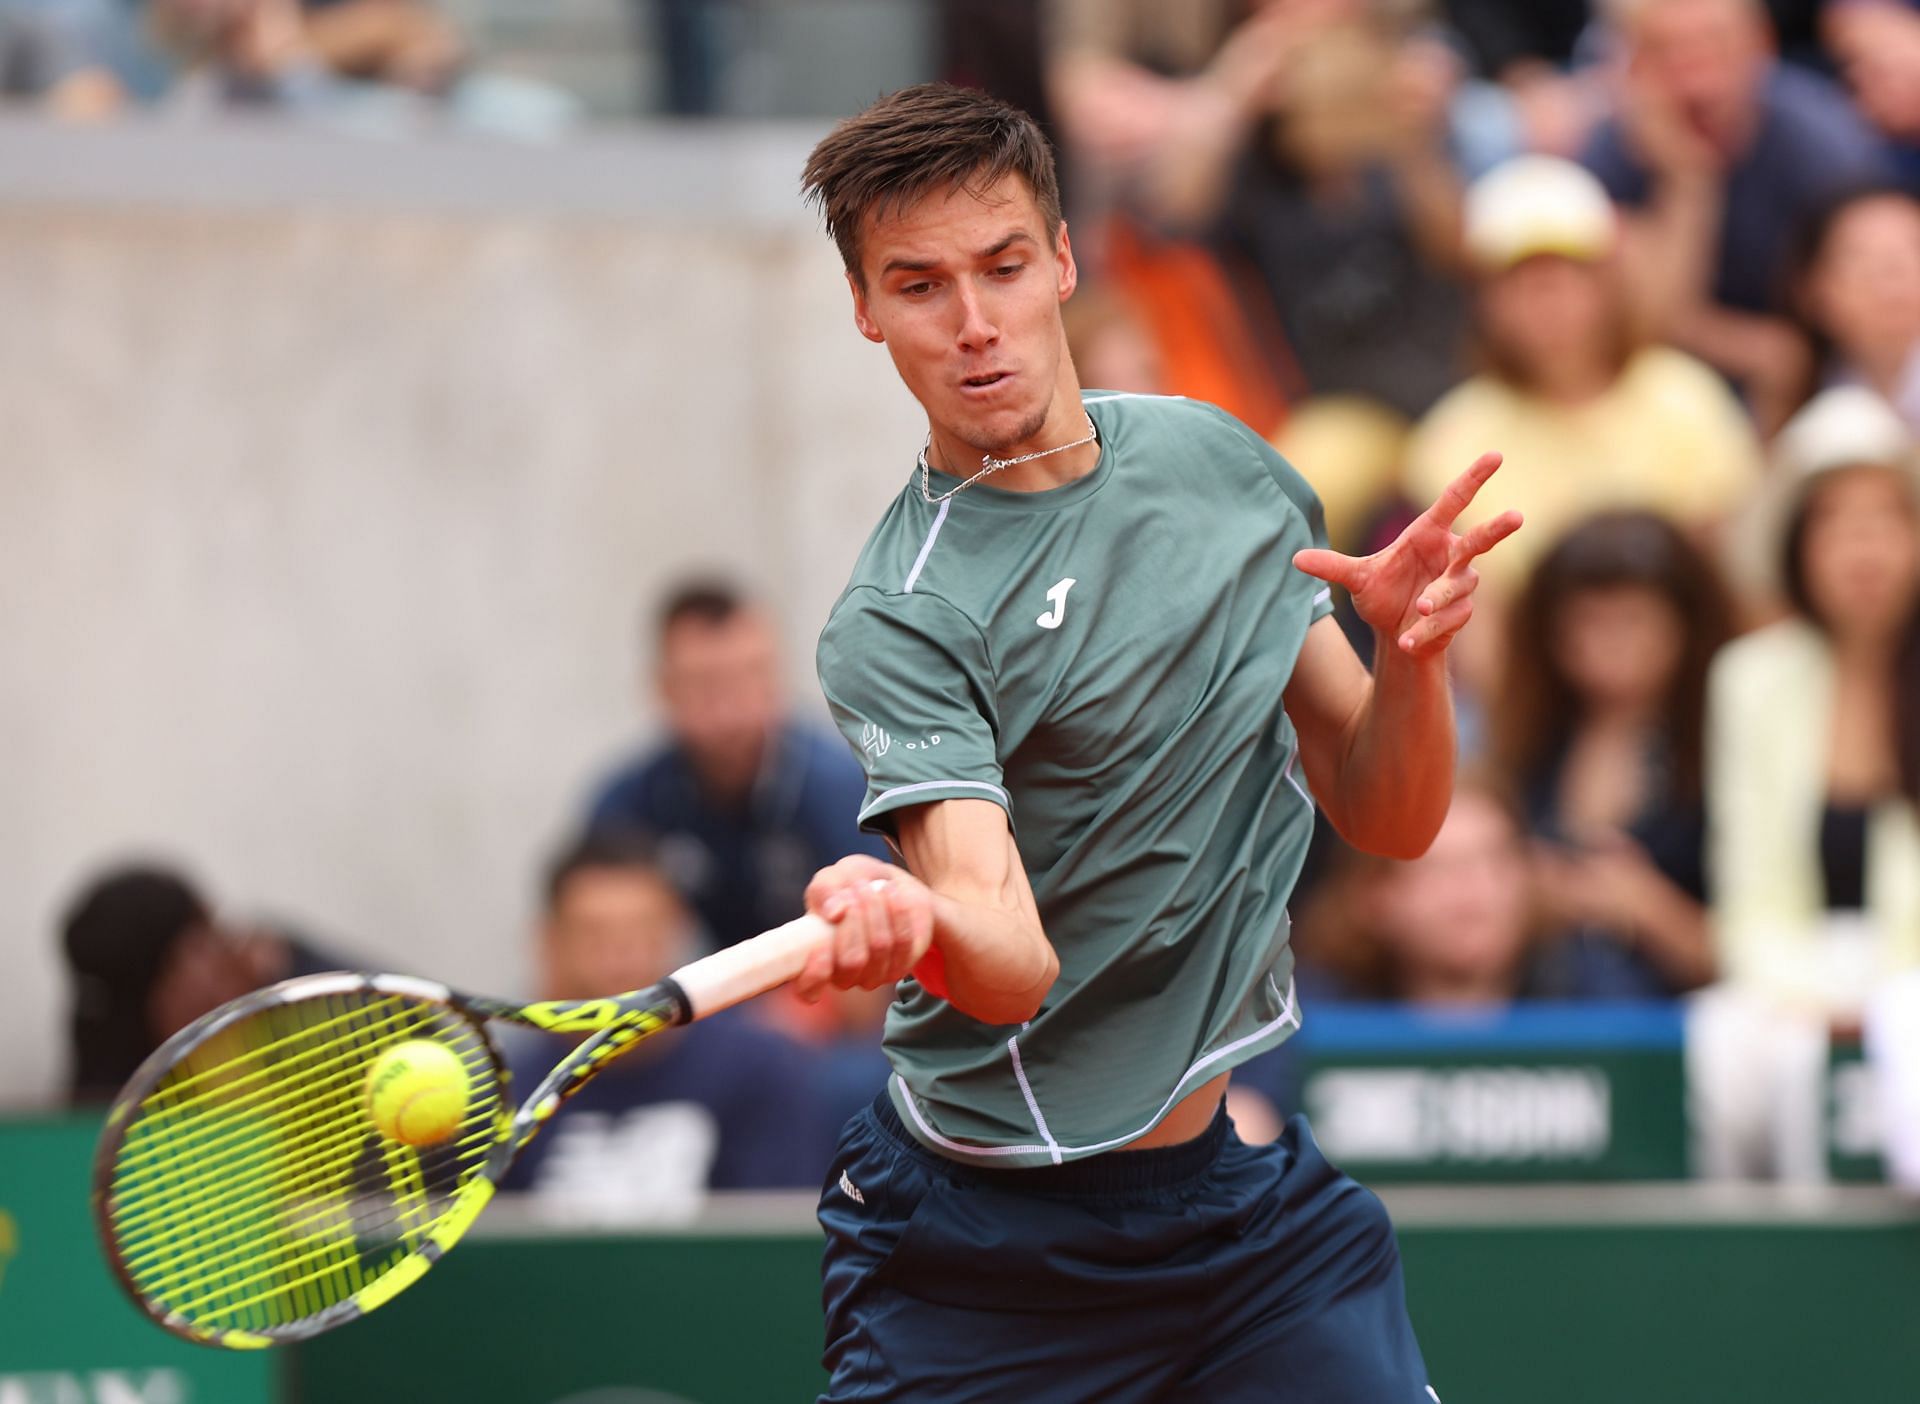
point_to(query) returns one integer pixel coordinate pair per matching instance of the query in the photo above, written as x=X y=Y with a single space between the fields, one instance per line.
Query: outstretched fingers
x=1460 y=581
x=1487 y=535
x=1425 y=635
x=1348 y=572
x=1460 y=492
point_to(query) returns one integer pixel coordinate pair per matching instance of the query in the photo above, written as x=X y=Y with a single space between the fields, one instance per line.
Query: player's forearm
x=999 y=964
x=1396 y=779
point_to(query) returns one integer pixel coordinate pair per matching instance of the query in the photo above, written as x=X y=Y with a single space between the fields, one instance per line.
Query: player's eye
x=917 y=289
x=1007 y=270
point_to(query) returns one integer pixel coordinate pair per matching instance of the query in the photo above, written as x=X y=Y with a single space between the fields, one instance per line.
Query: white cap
x=1848 y=426
x=1538 y=205
x=1844 y=427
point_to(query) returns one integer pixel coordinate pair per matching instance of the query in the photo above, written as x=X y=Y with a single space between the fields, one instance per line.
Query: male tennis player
x=1087 y=662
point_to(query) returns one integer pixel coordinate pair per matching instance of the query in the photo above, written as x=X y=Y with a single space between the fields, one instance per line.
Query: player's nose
x=977 y=327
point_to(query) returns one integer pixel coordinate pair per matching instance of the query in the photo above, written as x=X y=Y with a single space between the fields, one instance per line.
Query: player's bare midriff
x=1192 y=1115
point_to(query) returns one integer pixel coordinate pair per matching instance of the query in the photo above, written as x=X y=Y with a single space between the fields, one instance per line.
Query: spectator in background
x=996 y=46
x=1599 y=724
x=1311 y=143
x=1814 y=724
x=1508 y=37
x=1813 y=792
x=746 y=803
x=1859 y=291
x=1111 y=344
x=1588 y=415
x=1722 y=153
x=243 y=54
x=382 y=65
x=1876 y=46
x=1452 y=928
x=1347 y=201
x=399 y=43
x=68 y=57
x=1534 y=50
x=722 y=1104
x=1142 y=93
x=1133 y=85
x=690 y=38
x=147 y=957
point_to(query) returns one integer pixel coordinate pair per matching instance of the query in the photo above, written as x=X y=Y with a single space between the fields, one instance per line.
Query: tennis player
x=1087 y=662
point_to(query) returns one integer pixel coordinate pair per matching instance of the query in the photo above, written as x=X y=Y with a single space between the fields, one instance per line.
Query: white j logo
x=1054 y=617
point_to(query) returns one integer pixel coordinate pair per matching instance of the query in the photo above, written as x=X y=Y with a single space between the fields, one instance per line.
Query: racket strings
x=309 y=1189
x=158 y=1231
x=316 y=1233
x=146 y=1141
x=219 y=1077
x=178 y=1247
x=253 y=1191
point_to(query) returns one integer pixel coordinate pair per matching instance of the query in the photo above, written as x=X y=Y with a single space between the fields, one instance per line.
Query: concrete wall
x=332 y=478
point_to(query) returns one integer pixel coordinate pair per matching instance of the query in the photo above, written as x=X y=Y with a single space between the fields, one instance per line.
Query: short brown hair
x=932 y=137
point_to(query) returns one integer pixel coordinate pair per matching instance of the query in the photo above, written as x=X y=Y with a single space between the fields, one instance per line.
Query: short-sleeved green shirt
x=1106 y=661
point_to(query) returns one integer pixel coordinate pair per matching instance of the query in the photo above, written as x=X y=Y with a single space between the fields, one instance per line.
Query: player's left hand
x=1419 y=590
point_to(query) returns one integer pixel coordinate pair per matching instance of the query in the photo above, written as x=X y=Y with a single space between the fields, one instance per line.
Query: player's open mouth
x=985 y=382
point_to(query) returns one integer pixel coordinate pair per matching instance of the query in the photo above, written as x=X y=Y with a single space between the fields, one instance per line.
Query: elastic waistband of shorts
x=1115 y=1172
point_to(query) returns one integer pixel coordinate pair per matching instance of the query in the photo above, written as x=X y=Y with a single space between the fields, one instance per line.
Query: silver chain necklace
x=989 y=465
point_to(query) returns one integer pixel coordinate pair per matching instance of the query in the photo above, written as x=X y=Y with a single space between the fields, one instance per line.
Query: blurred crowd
x=378 y=65
x=1664 y=254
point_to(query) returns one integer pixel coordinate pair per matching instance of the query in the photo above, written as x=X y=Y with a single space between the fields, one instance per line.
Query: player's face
x=965 y=288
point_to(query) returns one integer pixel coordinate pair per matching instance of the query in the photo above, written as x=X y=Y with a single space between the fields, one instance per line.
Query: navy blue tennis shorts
x=1210 y=1272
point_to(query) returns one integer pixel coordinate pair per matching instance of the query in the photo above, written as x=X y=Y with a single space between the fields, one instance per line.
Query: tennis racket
x=245 y=1195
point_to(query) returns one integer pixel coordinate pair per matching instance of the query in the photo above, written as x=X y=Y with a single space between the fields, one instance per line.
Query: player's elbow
x=1403 y=849
x=1402 y=841
x=1000 y=1004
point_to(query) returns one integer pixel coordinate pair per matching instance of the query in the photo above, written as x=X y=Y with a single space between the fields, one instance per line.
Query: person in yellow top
x=1587 y=416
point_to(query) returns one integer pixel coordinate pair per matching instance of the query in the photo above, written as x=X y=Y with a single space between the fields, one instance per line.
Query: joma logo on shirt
x=874 y=741
x=1057 y=616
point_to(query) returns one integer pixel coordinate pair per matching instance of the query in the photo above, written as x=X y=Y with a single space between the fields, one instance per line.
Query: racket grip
x=750 y=967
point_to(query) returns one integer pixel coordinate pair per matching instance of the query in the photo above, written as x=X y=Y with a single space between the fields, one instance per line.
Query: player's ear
x=862 y=313
x=1069 y=272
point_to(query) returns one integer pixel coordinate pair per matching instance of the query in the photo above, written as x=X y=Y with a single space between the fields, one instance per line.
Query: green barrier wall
x=1634 y=1313
x=67 y=1335
x=1522 y=1294
x=1669 y=1314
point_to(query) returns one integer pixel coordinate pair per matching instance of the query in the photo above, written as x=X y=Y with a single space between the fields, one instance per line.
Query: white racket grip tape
x=751 y=967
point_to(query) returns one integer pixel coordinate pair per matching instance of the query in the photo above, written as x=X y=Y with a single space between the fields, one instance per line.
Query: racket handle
x=750 y=967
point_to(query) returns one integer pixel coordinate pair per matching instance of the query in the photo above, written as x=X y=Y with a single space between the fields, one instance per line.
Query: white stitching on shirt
x=926 y=547
x=921 y=785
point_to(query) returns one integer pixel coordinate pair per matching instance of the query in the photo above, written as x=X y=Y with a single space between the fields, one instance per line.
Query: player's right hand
x=882 y=919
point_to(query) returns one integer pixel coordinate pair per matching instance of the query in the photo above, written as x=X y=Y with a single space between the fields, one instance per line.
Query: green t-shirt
x=1106 y=661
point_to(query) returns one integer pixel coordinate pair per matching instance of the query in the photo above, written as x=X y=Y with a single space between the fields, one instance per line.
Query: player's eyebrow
x=918 y=265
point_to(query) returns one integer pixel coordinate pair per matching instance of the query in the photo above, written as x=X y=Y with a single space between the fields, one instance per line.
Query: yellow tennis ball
x=417 y=1092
